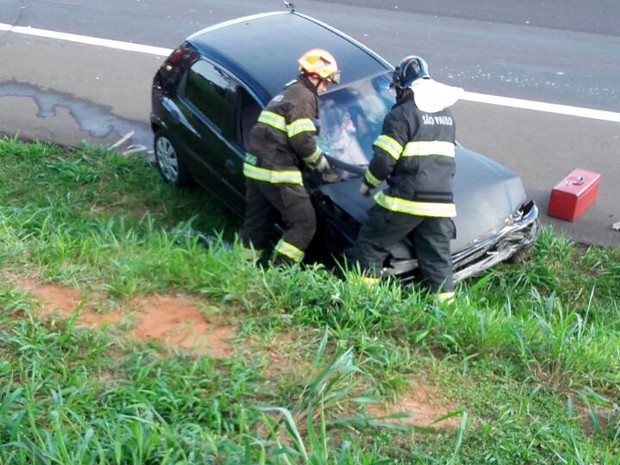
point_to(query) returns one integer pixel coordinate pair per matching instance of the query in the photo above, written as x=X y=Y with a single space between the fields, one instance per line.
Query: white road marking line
x=468 y=96
x=541 y=106
x=115 y=44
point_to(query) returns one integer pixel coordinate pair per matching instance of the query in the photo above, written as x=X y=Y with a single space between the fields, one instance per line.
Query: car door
x=208 y=102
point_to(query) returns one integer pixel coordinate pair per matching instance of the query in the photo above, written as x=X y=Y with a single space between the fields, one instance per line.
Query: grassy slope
x=529 y=354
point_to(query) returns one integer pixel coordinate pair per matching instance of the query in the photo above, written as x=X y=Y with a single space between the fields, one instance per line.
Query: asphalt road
x=558 y=52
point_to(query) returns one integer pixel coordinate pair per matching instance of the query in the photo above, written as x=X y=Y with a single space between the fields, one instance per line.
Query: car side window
x=248 y=111
x=212 y=92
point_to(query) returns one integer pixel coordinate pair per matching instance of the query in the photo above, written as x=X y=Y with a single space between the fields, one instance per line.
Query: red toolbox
x=574 y=194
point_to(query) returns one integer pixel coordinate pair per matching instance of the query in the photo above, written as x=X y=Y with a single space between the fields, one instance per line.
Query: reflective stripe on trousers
x=290 y=251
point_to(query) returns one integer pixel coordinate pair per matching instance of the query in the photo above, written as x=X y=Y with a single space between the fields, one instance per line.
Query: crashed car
x=208 y=93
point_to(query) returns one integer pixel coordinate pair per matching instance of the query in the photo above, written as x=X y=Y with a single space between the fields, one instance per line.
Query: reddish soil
x=176 y=321
x=173 y=320
x=424 y=404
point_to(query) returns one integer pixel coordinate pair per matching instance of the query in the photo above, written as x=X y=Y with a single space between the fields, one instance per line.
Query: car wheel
x=169 y=164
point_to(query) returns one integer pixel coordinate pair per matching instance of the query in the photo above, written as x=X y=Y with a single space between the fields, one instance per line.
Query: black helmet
x=408 y=70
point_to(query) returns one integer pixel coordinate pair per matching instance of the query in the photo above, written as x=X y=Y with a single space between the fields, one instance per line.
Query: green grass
x=528 y=356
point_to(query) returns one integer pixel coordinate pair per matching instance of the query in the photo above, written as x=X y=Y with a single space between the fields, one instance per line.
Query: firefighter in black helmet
x=281 y=144
x=415 y=155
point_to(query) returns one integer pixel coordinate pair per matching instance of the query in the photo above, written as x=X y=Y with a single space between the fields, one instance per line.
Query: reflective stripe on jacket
x=283 y=139
x=396 y=204
x=415 y=154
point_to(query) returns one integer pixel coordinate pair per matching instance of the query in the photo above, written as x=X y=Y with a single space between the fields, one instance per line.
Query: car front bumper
x=517 y=236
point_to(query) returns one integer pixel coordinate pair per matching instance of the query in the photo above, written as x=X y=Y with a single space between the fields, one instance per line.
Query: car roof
x=262 y=50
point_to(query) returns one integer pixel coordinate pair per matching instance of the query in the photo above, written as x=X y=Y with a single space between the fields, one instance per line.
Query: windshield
x=352 y=117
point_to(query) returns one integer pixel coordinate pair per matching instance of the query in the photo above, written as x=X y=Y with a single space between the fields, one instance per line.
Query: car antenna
x=289 y=5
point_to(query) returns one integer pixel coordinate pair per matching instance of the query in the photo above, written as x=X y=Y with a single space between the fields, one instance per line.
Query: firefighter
x=282 y=143
x=415 y=155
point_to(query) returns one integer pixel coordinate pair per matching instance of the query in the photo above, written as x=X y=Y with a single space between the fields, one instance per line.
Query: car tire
x=169 y=163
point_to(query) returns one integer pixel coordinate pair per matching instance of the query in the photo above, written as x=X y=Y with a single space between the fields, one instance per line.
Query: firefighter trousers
x=266 y=204
x=429 y=236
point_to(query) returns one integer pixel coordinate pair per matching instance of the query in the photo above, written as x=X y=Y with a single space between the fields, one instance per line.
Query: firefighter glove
x=364 y=189
x=331 y=176
x=322 y=164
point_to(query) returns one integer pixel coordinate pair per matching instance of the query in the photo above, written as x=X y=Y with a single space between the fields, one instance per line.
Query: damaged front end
x=517 y=236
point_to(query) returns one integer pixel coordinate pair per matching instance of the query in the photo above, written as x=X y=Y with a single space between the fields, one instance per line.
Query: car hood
x=486 y=196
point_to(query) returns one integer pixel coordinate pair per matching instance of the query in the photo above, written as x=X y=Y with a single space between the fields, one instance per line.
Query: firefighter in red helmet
x=415 y=155
x=282 y=143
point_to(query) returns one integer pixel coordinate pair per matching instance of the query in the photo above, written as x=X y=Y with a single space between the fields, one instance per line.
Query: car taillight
x=176 y=57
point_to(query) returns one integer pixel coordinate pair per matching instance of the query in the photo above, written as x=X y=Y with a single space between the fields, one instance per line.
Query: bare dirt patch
x=175 y=321
x=52 y=296
x=423 y=403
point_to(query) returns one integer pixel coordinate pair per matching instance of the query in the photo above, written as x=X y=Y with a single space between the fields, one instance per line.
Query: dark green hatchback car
x=208 y=93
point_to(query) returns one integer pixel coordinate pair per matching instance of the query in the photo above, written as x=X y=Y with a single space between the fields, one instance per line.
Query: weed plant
x=528 y=356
